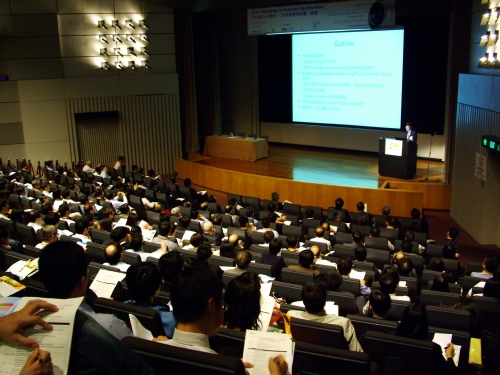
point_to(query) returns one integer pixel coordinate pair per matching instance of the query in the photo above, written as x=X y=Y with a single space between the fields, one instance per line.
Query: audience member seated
x=436 y=264
x=379 y=305
x=440 y=284
x=414 y=325
x=306 y=263
x=273 y=259
x=165 y=230
x=243 y=260
x=203 y=254
x=35 y=220
x=320 y=232
x=266 y=223
x=314 y=297
x=375 y=233
x=7 y=243
x=405 y=268
x=226 y=249
x=198 y=307
x=48 y=234
x=194 y=242
x=292 y=243
x=114 y=256
x=143 y=282
x=63 y=271
x=490 y=264
x=82 y=230
x=171 y=265
x=242 y=298
x=345 y=265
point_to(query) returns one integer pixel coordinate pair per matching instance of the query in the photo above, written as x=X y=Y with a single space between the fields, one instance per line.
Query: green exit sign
x=491 y=142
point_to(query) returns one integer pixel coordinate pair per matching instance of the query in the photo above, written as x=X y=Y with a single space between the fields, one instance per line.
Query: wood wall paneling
x=401 y=201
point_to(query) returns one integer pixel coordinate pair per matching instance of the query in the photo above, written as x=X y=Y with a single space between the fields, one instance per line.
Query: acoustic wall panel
x=34 y=25
x=11 y=133
x=44 y=121
x=31 y=69
x=150 y=134
x=4 y=7
x=9 y=91
x=10 y=113
x=33 y=6
x=85 y=6
x=30 y=47
x=139 y=6
x=50 y=89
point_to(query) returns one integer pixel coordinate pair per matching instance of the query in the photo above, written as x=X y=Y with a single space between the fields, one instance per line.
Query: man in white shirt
x=35 y=220
x=120 y=163
x=314 y=297
x=82 y=230
x=88 y=167
x=266 y=227
x=320 y=232
x=198 y=308
x=63 y=268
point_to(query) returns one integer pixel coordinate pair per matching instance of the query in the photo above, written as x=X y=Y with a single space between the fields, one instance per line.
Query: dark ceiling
x=403 y=7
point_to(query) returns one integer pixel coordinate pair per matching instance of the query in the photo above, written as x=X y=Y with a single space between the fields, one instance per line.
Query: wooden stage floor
x=321 y=165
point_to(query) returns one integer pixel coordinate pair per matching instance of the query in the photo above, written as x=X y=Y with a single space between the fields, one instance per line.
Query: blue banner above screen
x=348 y=78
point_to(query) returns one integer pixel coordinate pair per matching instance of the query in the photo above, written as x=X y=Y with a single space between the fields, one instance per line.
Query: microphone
x=246 y=131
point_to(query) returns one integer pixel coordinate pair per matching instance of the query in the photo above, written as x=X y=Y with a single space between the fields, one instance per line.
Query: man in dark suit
x=273 y=259
x=411 y=135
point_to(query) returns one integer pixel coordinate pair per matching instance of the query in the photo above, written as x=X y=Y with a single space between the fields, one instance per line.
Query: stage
x=316 y=177
x=321 y=165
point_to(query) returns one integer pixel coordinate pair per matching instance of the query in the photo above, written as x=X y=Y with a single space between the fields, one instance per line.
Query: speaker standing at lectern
x=411 y=135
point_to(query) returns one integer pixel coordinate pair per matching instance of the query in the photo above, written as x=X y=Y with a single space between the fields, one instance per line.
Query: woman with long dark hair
x=242 y=298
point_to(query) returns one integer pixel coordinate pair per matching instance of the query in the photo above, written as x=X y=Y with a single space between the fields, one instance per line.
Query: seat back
x=376 y=243
x=451 y=265
x=431 y=297
x=397 y=246
x=27 y=234
x=489 y=310
x=345 y=301
x=227 y=221
x=239 y=232
x=254 y=203
x=136 y=203
x=295 y=276
x=290 y=292
x=96 y=252
x=260 y=268
x=433 y=250
x=399 y=355
x=331 y=212
x=149 y=318
x=183 y=361
x=257 y=238
x=379 y=257
x=292 y=209
x=350 y=285
x=390 y=234
x=323 y=334
x=323 y=247
x=218 y=261
x=93 y=268
x=99 y=236
x=12 y=257
x=131 y=258
x=292 y=230
x=343 y=251
x=346 y=238
x=442 y=317
x=418 y=262
x=363 y=229
x=363 y=324
x=153 y=217
x=395 y=313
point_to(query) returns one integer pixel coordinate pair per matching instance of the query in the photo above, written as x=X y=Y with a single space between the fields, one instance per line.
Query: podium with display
x=397 y=158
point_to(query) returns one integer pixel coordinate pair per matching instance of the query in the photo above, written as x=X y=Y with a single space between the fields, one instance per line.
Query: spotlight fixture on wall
x=491 y=60
x=131 y=38
x=102 y=38
x=142 y=23
x=496 y=63
x=144 y=51
x=104 y=65
x=115 y=23
x=145 y=64
x=102 y=24
x=485 y=19
x=144 y=37
x=130 y=24
x=117 y=38
x=493 y=16
x=131 y=64
x=483 y=60
x=493 y=38
x=104 y=52
x=118 y=52
x=118 y=65
x=484 y=39
x=131 y=51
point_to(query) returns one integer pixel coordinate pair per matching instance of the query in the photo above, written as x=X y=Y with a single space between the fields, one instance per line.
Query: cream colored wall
x=50 y=51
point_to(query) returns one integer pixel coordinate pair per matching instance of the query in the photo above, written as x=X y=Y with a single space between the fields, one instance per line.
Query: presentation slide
x=348 y=78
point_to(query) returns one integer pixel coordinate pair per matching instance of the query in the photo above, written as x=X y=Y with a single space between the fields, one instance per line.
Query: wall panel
x=9 y=91
x=33 y=6
x=149 y=130
x=85 y=6
x=10 y=113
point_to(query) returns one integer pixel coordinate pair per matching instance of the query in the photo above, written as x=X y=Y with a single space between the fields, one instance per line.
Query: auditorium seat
x=149 y=318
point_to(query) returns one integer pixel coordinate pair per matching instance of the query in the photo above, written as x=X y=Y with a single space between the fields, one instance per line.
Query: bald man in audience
x=243 y=260
x=320 y=232
x=114 y=257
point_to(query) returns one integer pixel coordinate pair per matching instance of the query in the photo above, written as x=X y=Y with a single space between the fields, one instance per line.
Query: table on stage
x=236 y=148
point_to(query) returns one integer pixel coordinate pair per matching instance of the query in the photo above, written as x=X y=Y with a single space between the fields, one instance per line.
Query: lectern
x=397 y=158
